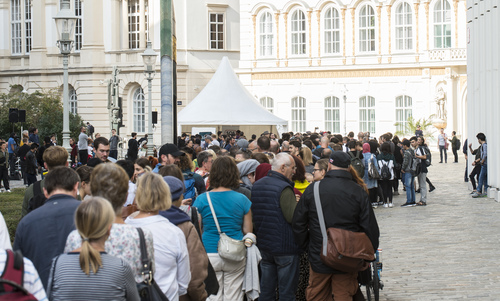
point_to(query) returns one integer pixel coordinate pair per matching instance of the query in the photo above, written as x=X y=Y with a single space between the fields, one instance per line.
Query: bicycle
x=371 y=278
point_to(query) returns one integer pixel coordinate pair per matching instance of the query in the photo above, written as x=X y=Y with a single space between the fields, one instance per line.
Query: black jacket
x=345 y=206
x=133 y=149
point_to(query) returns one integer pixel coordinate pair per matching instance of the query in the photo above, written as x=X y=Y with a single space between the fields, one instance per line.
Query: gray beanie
x=247 y=167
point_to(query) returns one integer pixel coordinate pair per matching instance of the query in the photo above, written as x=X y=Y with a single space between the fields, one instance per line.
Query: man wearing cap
x=242 y=144
x=345 y=205
x=273 y=204
x=169 y=154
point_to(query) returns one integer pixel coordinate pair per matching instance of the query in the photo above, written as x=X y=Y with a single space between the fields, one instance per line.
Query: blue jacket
x=273 y=231
x=41 y=235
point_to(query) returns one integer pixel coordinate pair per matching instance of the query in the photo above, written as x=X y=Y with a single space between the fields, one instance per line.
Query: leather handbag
x=148 y=289
x=128 y=210
x=343 y=250
x=228 y=248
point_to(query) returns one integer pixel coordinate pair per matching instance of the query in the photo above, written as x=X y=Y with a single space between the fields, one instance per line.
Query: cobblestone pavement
x=446 y=250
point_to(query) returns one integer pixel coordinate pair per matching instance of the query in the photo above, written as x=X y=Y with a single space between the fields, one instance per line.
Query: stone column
x=92 y=53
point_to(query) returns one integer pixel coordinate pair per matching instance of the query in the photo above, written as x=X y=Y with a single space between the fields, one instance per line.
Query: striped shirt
x=31 y=280
x=114 y=280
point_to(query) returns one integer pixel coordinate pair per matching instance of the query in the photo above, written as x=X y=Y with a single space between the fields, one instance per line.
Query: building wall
x=383 y=73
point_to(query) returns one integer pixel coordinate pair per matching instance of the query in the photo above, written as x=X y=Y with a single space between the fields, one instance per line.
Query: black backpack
x=457 y=144
x=385 y=172
x=11 y=282
x=357 y=164
x=38 y=198
x=428 y=158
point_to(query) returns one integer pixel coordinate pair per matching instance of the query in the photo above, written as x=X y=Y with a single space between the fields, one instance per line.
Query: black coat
x=345 y=206
x=133 y=149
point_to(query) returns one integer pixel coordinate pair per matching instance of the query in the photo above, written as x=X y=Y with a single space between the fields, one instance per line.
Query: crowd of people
x=79 y=223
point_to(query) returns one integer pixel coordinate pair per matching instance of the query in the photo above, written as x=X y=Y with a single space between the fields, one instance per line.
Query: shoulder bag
x=228 y=248
x=148 y=289
x=343 y=250
x=372 y=169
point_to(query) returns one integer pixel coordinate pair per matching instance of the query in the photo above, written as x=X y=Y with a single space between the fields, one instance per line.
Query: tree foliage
x=411 y=126
x=44 y=110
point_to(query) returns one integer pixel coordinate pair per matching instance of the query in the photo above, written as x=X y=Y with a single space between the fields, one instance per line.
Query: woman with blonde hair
x=88 y=272
x=171 y=264
x=307 y=157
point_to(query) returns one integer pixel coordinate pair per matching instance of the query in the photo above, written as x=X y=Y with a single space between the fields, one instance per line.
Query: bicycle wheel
x=370 y=294
x=375 y=281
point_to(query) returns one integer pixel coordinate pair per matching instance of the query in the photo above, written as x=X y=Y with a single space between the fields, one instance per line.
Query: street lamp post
x=65 y=24
x=149 y=58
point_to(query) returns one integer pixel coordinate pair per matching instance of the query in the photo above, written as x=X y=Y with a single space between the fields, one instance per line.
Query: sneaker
x=417 y=191
x=386 y=205
x=409 y=205
x=391 y=205
x=432 y=189
x=8 y=190
x=395 y=193
x=381 y=203
x=476 y=194
x=472 y=192
x=481 y=195
x=375 y=205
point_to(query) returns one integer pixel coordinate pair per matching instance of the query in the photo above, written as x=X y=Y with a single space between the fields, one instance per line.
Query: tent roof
x=225 y=101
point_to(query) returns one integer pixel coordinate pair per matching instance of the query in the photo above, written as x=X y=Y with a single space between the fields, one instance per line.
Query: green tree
x=411 y=125
x=44 y=111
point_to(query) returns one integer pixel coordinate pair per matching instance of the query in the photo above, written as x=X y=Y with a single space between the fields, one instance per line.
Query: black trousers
x=387 y=190
x=4 y=175
x=84 y=154
x=455 y=154
x=475 y=175
x=113 y=153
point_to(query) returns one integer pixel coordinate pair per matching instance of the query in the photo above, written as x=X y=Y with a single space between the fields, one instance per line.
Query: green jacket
x=6 y=156
x=28 y=194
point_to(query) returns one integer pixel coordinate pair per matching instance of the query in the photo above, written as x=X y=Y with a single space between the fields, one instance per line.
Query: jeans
x=30 y=178
x=12 y=163
x=279 y=270
x=387 y=190
x=483 y=179
x=423 y=186
x=113 y=154
x=409 y=180
x=441 y=150
x=475 y=174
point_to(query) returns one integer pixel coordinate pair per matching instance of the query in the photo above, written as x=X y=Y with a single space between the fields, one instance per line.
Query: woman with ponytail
x=89 y=273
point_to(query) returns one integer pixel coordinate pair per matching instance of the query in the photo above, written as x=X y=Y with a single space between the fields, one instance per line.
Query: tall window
x=134 y=10
x=146 y=17
x=298 y=32
x=332 y=114
x=332 y=31
x=299 y=114
x=139 y=111
x=366 y=29
x=266 y=36
x=367 y=114
x=15 y=25
x=73 y=102
x=442 y=24
x=403 y=111
x=27 y=25
x=78 y=26
x=216 y=30
x=404 y=26
x=268 y=103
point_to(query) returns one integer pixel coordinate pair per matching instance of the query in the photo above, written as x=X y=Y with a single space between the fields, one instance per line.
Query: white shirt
x=4 y=235
x=172 y=273
x=131 y=193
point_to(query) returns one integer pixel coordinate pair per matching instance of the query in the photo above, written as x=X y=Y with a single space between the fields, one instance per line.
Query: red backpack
x=11 y=282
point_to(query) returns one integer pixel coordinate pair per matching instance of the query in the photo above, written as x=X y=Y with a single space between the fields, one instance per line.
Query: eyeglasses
x=316 y=169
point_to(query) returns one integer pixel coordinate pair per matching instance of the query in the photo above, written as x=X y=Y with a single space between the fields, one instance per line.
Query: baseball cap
x=176 y=187
x=171 y=149
x=242 y=143
x=340 y=159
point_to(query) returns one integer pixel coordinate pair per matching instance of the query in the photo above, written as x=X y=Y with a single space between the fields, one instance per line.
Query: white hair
x=280 y=159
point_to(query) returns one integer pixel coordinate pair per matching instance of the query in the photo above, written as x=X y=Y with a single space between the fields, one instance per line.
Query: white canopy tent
x=226 y=102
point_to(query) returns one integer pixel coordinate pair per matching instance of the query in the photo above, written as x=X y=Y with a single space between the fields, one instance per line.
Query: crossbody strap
x=321 y=218
x=213 y=212
x=146 y=264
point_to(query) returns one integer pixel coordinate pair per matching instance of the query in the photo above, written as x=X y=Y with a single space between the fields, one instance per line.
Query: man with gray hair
x=273 y=204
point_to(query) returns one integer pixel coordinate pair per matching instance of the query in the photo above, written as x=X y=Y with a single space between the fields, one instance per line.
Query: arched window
x=332 y=114
x=73 y=101
x=266 y=37
x=404 y=27
x=298 y=32
x=442 y=24
x=299 y=114
x=367 y=29
x=268 y=103
x=139 y=105
x=403 y=112
x=332 y=31
x=367 y=114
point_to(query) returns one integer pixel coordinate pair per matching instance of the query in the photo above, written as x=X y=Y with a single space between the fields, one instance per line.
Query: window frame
x=407 y=39
x=332 y=124
x=338 y=30
x=217 y=22
x=73 y=101
x=267 y=102
x=138 y=105
x=261 y=34
x=366 y=124
x=298 y=32
x=366 y=28
x=298 y=124
x=134 y=36
x=16 y=27
x=402 y=108
x=442 y=23
x=78 y=9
